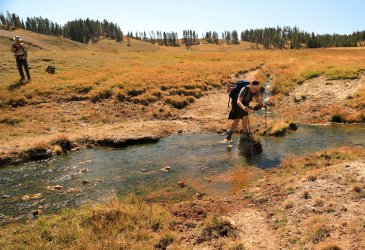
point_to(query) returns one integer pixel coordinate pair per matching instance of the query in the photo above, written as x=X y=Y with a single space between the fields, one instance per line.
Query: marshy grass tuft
x=215 y=227
x=316 y=229
x=114 y=225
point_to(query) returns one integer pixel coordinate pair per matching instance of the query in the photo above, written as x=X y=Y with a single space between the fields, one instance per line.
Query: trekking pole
x=266 y=125
x=249 y=133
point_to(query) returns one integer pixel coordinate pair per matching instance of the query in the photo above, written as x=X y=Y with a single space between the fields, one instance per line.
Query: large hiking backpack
x=239 y=85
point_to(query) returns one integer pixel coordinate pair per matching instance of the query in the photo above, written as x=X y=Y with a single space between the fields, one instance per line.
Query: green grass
x=342 y=73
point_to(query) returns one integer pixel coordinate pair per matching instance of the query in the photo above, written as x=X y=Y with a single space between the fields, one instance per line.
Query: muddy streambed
x=200 y=160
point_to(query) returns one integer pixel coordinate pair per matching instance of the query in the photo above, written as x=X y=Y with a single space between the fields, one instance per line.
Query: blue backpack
x=239 y=85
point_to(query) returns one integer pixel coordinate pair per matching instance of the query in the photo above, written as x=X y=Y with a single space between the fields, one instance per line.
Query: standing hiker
x=19 y=50
x=240 y=107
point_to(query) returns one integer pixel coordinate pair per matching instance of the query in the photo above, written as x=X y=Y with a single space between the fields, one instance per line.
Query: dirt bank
x=288 y=208
x=317 y=100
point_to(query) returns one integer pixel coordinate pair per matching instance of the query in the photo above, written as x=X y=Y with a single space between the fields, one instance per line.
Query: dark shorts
x=236 y=111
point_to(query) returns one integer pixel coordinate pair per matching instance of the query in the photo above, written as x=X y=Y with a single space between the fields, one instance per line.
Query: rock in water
x=165 y=169
x=245 y=144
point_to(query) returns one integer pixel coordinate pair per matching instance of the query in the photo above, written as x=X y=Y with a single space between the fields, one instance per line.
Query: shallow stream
x=200 y=160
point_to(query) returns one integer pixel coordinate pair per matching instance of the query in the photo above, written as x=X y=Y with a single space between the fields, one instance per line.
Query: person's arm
x=25 y=48
x=12 y=48
x=242 y=94
x=240 y=104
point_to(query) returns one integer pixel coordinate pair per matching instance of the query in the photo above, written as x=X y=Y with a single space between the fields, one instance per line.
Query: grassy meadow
x=144 y=73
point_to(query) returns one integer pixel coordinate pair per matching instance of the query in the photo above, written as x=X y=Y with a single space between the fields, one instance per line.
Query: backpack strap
x=246 y=93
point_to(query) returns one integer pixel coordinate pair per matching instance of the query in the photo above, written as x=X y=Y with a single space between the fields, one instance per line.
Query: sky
x=318 y=16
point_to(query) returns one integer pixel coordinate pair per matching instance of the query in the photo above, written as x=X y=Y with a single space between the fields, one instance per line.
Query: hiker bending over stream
x=240 y=106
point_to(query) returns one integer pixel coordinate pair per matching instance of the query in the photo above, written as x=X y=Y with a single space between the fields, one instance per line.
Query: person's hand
x=247 y=109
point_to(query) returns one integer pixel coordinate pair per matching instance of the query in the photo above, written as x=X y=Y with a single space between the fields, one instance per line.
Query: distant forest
x=83 y=31
x=86 y=31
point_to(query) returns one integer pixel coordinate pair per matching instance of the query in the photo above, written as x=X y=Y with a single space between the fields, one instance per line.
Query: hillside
x=39 y=41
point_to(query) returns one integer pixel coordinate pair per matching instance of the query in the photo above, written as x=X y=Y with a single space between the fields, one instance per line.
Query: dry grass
x=323 y=159
x=357 y=100
x=215 y=227
x=280 y=128
x=329 y=246
x=131 y=224
x=317 y=229
x=341 y=114
x=102 y=67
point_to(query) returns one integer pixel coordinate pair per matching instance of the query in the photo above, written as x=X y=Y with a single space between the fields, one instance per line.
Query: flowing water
x=200 y=160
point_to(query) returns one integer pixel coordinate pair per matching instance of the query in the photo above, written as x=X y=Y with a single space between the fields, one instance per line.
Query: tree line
x=158 y=37
x=294 y=38
x=83 y=31
x=88 y=30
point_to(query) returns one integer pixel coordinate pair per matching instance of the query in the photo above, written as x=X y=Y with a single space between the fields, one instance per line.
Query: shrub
x=317 y=229
x=63 y=141
x=136 y=91
x=179 y=102
x=329 y=246
x=39 y=151
x=83 y=89
x=10 y=121
x=100 y=94
x=17 y=102
x=215 y=227
x=119 y=94
x=197 y=93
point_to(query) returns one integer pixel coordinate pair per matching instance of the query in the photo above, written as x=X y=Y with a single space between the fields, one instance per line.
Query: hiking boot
x=227 y=141
x=229 y=135
x=29 y=79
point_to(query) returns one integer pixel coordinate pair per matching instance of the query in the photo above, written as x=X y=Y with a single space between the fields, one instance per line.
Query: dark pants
x=20 y=63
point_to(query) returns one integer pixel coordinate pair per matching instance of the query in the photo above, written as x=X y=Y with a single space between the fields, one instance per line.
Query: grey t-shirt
x=247 y=95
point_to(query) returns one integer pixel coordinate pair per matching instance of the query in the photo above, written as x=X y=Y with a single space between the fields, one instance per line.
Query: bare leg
x=245 y=124
x=232 y=129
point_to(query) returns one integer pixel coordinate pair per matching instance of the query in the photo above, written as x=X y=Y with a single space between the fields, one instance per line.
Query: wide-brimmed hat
x=17 y=38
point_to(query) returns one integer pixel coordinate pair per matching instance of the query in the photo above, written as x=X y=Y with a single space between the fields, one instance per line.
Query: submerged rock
x=51 y=188
x=181 y=184
x=25 y=198
x=248 y=145
x=36 y=196
x=84 y=170
x=36 y=212
x=165 y=169
x=199 y=195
